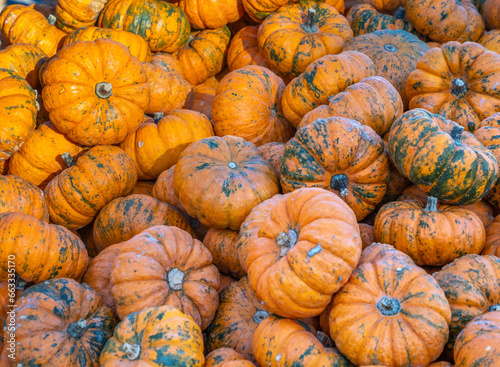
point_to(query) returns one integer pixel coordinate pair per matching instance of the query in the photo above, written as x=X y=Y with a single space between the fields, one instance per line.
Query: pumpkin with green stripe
x=72 y=15
x=441 y=159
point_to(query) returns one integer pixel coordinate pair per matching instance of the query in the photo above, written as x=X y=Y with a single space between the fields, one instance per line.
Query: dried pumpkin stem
x=175 y=279
x=232 y=165
x=309 y=25
x=68 y=159
x=431 y=204
x=132 y=351
x=76 y=329
x=456 y=134
x=286 y=240
x=51 y=19
x=340 y=183
x=260 y=316
x=389 y=47
x=494 y=308
x=459 y=87
x=388 y=306
x=104 y=90
x=158 y=116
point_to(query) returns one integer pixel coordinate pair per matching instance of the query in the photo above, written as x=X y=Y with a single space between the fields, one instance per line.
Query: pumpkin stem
x=232 y=165
x=20 y=283
x=494 y=308
x=132 y=351
x=260 y=316
x=68 y=159
x=339 y=183
x=158 y=116
x=388 y=306
x=286 y=240
x=309 y=25
x=175 y=279
x=431 y=204
x=459 y=87
x=456 y=134
x=51 y=19
x=104 y=90
x=324 y=339
x=76 y=329
x=389 y=47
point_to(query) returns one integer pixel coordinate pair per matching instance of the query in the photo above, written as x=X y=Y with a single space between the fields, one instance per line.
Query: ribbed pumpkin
x=211 y=14
x=273 y=153
x=389 y=6
x=340 y=155
x=317 y=113
x=156 y=144
x=395 y=54
x=20 y=196
x=377 y=251
x=39 y=159
x=75 y=14
x=60 y=323
x=156 y=336
x=244 y=49
x=164 y=26
x=226 y=357
x=298 y=249
x=219 y=180
x=325 y=77
x=457 y=81
x=437 y=156
x=296 y=35
x=223 y=244
x=492 y=245
x=390 y=313
x=204 y=95
x=490 y=11
x=491 y=40
x=25 y=60
x=77 y=194
x=248 y=104
x=42 y=251
x=472 y=287
x=168 y=62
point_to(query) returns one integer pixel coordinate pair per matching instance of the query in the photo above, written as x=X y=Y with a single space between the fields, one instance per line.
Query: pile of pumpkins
x=241 y=183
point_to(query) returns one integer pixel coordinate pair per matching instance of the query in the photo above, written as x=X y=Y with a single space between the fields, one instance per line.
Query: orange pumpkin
x=225 y=281
x=25 y=60
x=490 y=11
x=367 y=237
x=384 y=5
x=211 y=14
x=273 y=153
x=76 y=14
x=204 y=95
x=226 y=357
x=223 y=245
x=144 y=188
x=377 y=251
x=491 y=40
x=20 y=196
x=244 y=50
x=320 y=112
x=492 y=244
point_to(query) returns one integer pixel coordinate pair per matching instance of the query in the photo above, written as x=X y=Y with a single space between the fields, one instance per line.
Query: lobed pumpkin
x=244 y=49
x=25 y=60
x=377 y=251
x=223 y=245
x=211 y=14
x=75 y=14
x=20 y=196
x=491 y=40
x=490 y=11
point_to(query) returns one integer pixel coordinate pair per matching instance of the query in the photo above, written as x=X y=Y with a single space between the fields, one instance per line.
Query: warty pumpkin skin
x=323 y=78
x=25 y=60
x=75 y=14
x=76 y=195
x=20 y=196
x=226 y=357
x=457 y=81
x=492 y=244
x=390 y=313
x=244 y=49
x=285 y=244
x=273 y=153
x=211 y=14
x=219 y=180
x=472 y=287
x=223 y=244
x=248 y=104
x=155 y=337
x=340 y=155
x=298 y=34
x=440 y=158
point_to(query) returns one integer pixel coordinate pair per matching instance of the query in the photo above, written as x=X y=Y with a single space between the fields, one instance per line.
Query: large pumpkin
x=25 y=60
x=20 y=196
x=492 y=244
x=244 y=49
x=223 y=244
x=211 y=14
x=76 y=14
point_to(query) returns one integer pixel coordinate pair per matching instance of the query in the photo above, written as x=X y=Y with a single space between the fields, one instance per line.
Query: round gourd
x=491 y=40
x=223 y=244
x=20 y=196
x=490 y=11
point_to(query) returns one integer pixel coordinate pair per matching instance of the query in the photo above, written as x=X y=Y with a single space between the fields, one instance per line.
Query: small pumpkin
x=144 y=188
x=377 y=250
x=273 y=153
x=20 y=196
x=319 y=112
x=204 y=95
x=226 y=357
x=211 y=14
x=25 y=60
x=367 y=237
x=167 y=62
x=492 y=244
x=490 y=11
x=75 y=14
x=491 y=40
x=225 y=281
x=389 y=6
x=223 y=245
x=244 y=50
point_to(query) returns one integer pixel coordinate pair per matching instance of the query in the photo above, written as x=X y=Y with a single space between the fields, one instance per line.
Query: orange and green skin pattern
x=212 y=14
x=456 y=172
x=225 y=281
x=214 y=193
x=139 y=274
x=70 y=96
x=281 y=342
x=244 y=50
x=44 y=316
x=289 y=48
x=490 y=10
x=478 y=344
x=492 y=245
x=25 y=60
x=166 y=336
x=22 y=24
x=317 y=113
x=39 y=159
x=76 y=195
x=163 y=25
x=273 y=152
x=155 y=147
x=472 y=286
x=377 y=251
x=325 y=77
x=366 y=232
x=445 y=20
x=17 y=112
x=430 y=237
x=414 y=336
x=300 y=283
x=223 y=245
x=433 y=85
x=136 y=44
x=395 y=54
x=43 y=251
x=388 y=6
x=144 y=188
x=491 y=40
x=258 y=10
x=248 y=104
x=20 y=196
x=334 y=146
x=205 y=54
x=226 y=357
x=75 y=14
x=167 y=62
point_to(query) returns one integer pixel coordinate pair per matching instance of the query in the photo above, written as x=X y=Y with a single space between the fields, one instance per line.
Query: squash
x=20 y=196
x=226 y=357
x=25 y=60
x=491 y=40
x=492 y=244
x=223 y=244
x=144 y=188
x=273 y=153
x=75 y=14
x=377 y=251
x=244 y=50
x=490 y=11
x=211 y=14
x=367 y=237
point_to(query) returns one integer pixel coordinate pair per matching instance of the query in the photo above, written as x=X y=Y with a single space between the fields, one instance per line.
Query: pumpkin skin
x=273 y=153
x=367 y=236
x=491 y=40
x=492 y=244
x=156 y=145
x=144 y=188
x=285 y=256
x=457 y=81
x=155 y=337
x=225 y=281
x=320 y=112
x=389 y=6
x=25 y=60
x=490 y=11
x=298 y=34
x=223 y=244
x=397 y=300
x=459 y=150
x=395 y=54
x=377 y=251
x=325 y=77
x=219 y=180
x=75 y=14
x=472 y=287
x=244 y=49
x=211 y=14
x=20 y=196
x=42 y=251
x=340 y=155
x=226 y=357
x=248 y=104
x=4 y=167
x=76 y=195
x=203 y=97
x=39 y=159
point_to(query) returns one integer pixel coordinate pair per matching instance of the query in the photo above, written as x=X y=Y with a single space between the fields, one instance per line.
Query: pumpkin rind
x=491 y=40
x=223 y=245
x=492 y=244
x=20 y=196
x=212 y=14
x=226 y=357
x=244 y=49
x=76 y=14
x=203 y=97
x=25 y=60
x=273 y=153
x=490 y=11
x=366 y=232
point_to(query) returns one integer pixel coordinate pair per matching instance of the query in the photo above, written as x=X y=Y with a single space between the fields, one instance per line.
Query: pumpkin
x=492 y=244
x=226 y=357
x=167 y=62
x=319 y=112
x=75 y=14
x=367 y=237
x=211 y=14
x=205 y=54
x=297 y=34
x=155 y=336
x=4 y=167
x=457 y=81
x=17 y=112
x=223 y=246
x=157 y=144
x=387 y=297
x=20 y=196
x=395 y=54
x=325 y=77
x=377 y=251
x=219 y=180
x=273 y=152
x=248 y=104
x=437 y=156
x=39 y=159
x=164 y=26
x=25 y=60
x=244 y=49
x=144 y=188
x=76 y=195
x=491 y=40
x=472 y=287
x=445 y=20
x=203 y=96
x=225 y=281
x=490 y=11
x=389 y=6
x=396 y=182
x=42 y=251
x=340 y=155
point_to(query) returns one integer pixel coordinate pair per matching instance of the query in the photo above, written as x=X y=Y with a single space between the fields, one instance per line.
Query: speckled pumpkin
x=20 y=196
x=492 y=245
x=226 y=357
x=366 y=232
x=396 y=182
x=244 y=49
x=377 y=251
x=223 y=246
x=75 y=14
x=340 y=155
x=491 y=40
x=273 y=152
x=25 y=60
x=389 y=6
x=317 y=113
x=211 y=14
x=225 y=281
